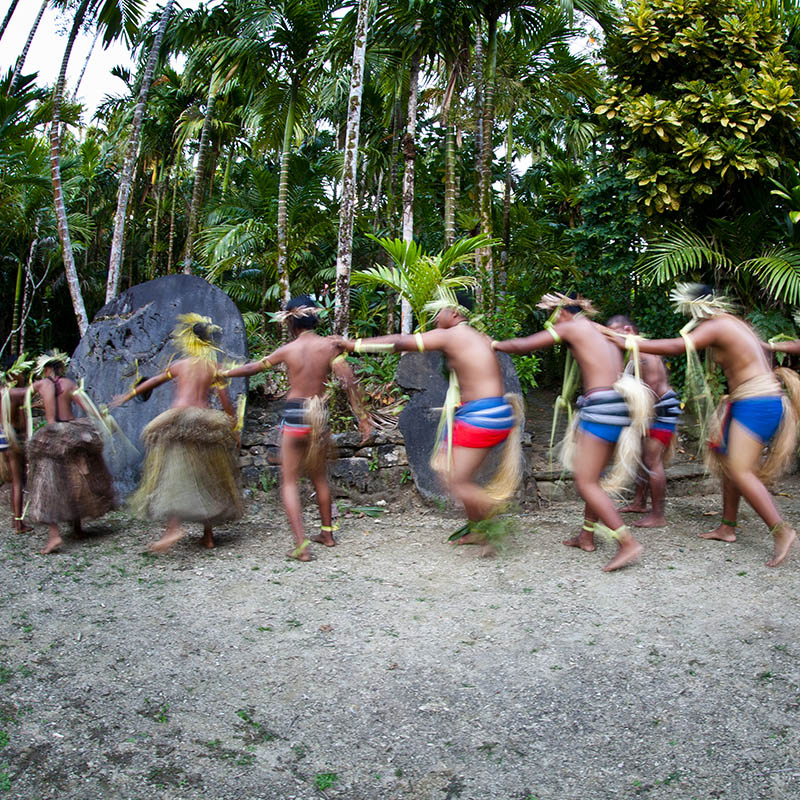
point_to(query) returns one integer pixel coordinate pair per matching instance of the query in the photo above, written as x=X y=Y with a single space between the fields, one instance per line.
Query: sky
x=48 y=46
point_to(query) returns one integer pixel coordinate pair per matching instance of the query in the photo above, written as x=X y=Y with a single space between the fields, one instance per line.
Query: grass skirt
x=68 y=478
x=191 y=471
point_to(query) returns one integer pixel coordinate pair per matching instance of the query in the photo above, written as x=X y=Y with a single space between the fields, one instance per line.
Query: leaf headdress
x=699 y=302
x=194 y=336
x=48 y=358
x=556 y=300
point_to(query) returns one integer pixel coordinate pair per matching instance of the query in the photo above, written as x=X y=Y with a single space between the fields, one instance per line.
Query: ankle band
x=329 y=528
x=588 y=526
x=731 y=523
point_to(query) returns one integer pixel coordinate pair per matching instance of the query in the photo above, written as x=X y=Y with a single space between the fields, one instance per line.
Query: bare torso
x=308 y=361
x=56 y=394
x=469 y=353
x=654 y=373
x=193 y=380
x=16 y=395
x=735 y=347
x=600 y=361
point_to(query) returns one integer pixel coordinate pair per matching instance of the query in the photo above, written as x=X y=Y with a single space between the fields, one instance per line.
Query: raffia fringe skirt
x=191 y=469
x=67 y=476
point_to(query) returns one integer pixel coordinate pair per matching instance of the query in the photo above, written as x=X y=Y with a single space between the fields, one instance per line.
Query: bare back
x=654 y=373
x=193 y=380
x=600 y=361
x=469 y=353
x=56 y=394
x=734 y=346
x=308 y=361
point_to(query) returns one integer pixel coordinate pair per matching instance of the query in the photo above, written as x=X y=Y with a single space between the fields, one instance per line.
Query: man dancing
x=611 y=411
x=477 y=415
x=309 y=359
x=191 y=472
x=755 y=412
x=659 y=443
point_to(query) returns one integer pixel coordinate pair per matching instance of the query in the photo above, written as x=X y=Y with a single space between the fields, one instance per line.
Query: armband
x=630 y=341
x=338 y=359
x=134 y=392
x=266 y=362
x=420 y=343
x=550 y=328
x=771 y=345
x=494 y=344
x=168 y=373
x=372 y=347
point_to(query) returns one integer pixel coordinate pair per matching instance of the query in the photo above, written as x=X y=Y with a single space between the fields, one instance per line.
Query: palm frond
x=678 y=253
x=778 y=271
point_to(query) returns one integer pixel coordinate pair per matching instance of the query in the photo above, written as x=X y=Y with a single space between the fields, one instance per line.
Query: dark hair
x=621 y=319
x=701 y=290
x=576 y=309
x=306 y=322
x=207 y=331
x=466 y=299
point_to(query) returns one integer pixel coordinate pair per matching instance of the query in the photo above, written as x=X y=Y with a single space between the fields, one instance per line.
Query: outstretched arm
x=793 y=348
x=537 y=341
x=397 y=342
x=145 y=386
x=254 y=367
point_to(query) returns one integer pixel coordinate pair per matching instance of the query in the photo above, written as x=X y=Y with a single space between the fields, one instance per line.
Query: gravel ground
x=397 y=666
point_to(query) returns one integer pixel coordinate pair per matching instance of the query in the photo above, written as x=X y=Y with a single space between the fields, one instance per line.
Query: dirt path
x=396 y=666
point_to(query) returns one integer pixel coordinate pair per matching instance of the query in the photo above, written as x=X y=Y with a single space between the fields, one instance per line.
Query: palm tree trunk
x=409 y=156
x=171 y=238
x=85 y=64
x=503 y=278
x=55 y=169
x=487 y=155
x=347 y=207
x=15 y=314
x=24 y=54
x=283 y=190
x=449 y=163
x=477 y=79
x=125 y=181
x=153 y=267
x=197 y=190
x=8 y=17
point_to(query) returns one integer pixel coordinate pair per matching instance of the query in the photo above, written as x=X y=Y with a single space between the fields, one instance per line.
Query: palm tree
x=126 y=179
x=7 y=17
x=24 y=54
x=347 y=208
x=117 y=17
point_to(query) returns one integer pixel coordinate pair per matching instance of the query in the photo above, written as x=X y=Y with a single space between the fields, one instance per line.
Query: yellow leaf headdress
x=48 y=358
x=194 y=336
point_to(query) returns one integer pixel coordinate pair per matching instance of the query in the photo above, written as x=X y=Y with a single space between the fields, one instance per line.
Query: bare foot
x=166 y=541
x=22 y=529
x=208 y=540
x=488 y=551
x=629 y=552
x=472 y=538
x=633 y=508
x=300 y=553
x=651 y=521
x=724 y=533
x=76 y=528
x=325 y=538
x=783 y=538
x=584 y=540
x=53 y=543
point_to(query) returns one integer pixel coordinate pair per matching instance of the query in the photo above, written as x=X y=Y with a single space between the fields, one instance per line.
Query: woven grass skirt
x=191 y=470
x=68 y=478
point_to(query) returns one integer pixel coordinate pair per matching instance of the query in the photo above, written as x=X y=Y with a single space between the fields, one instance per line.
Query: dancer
x=14 y=411
x=659 y=444
x=68 y=479
x=756 y=410
x=613 y=413
x=309 y=359
x=477 y=415
x=191 y=472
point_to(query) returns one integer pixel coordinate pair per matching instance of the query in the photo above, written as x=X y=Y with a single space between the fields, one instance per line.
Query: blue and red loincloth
x=295 y=420
x=667 y=410
x=483 y=423
x=603 y=413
